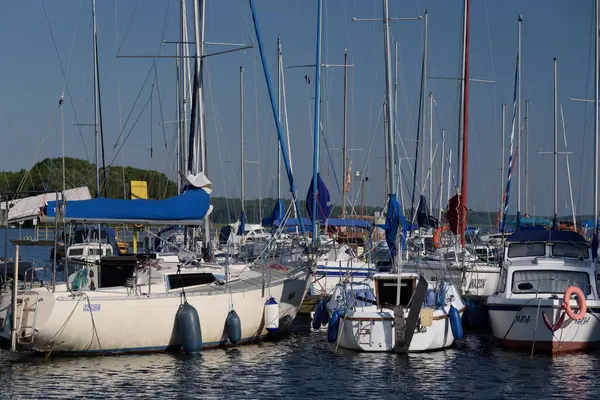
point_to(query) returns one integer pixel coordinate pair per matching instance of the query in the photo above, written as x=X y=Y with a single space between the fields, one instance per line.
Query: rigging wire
x=62 y=70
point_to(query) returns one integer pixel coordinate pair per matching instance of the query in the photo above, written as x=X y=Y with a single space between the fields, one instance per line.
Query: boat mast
x=465 y=131
x=315 y=229
x=96 y=142
x=344 y=150
x=555 y=218
x=502 y=157
x=596 y=73
x=422 y=116
x=526 y=150
x=199 y=145
x=396 y=150
x=519 y=126
x=389 y=99
x=243 y=160
x=462 y=100
x=279 y=73
x=442 y=175
x=98 y=104
x=183 y=89
x=430 y=148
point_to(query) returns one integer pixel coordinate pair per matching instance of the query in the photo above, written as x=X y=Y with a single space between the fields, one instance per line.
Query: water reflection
x=303 y=365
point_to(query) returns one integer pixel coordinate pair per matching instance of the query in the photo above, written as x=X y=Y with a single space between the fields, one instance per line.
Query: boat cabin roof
x=543 y=235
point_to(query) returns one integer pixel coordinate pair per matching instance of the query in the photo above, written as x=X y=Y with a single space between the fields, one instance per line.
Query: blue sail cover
x=277 y=214
x=324 y=206
x=393 y=220
x=188 y=208
x=242 y=227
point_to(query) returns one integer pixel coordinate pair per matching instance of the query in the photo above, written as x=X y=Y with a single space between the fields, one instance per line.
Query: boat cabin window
x=526 y=250
x=574 y=250
x=177 y=281
x=548 y=281
x=75 y=252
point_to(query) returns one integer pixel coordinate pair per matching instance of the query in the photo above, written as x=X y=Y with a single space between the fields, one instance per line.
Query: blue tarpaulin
x=188 y=208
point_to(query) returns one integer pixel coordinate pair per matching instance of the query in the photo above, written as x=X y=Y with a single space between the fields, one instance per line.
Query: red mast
x=465 y=144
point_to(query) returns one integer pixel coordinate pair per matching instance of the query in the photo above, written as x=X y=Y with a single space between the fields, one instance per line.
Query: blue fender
x=455 y=323
x=233 y=327
x=332 y=329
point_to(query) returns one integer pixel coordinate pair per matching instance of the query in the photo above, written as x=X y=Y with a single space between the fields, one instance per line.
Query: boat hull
x=519 y=325
x=105 y=321
x=370 y=330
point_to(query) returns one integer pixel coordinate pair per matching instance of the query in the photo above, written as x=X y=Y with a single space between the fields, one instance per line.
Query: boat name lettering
x=523 y=319
x=91 y=307
x=478 y=283
x=583 y=321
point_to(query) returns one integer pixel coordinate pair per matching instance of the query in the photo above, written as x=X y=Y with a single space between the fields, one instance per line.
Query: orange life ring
x=580 y=303
x=437 y=235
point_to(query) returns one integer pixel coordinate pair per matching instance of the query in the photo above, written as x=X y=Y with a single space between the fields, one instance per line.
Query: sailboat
x=140 y=304
x=405 y=313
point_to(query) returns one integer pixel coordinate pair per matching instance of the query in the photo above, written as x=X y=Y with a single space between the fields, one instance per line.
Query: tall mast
x=388 y=90
x=462 y=98
x=442 y=174
x=430 y=151
x=200 y=153
x=183 y=89
x=395 y=151
x=596 y=73
x=555 y=219
x=96 y=138
x=103 y=186
x=344 y=150
x=279 y=73
x=526 y=150
x=315 y=228
x=519 y=126
x=422 y=116
x=243 y=160
x=502 y=157
x=464 y=137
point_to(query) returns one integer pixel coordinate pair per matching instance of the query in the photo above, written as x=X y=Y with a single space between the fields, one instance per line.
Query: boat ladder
x=26 y=312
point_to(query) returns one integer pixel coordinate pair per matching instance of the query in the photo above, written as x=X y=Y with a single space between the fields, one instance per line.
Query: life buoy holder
x=580 y=303
x=438 y=234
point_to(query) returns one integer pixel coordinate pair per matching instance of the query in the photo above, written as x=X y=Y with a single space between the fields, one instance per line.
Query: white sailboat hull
x=108 y=320
x=373 y=331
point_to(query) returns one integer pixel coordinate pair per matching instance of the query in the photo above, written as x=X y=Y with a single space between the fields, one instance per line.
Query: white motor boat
x=547 y=299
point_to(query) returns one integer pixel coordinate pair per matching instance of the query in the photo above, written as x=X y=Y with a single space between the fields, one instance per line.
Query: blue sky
x=32 y=84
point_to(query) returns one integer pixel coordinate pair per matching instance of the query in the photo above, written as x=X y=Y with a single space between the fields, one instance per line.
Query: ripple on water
x=303 y=365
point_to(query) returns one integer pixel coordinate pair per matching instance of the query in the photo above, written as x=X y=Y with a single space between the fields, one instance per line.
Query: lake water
x=302 y=364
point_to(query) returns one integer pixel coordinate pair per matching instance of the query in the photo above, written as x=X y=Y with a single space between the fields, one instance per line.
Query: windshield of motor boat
x=549 y=281
x=534 y=249
x=570 y=249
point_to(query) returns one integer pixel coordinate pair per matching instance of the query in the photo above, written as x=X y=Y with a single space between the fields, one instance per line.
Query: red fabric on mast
x=454 y=215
